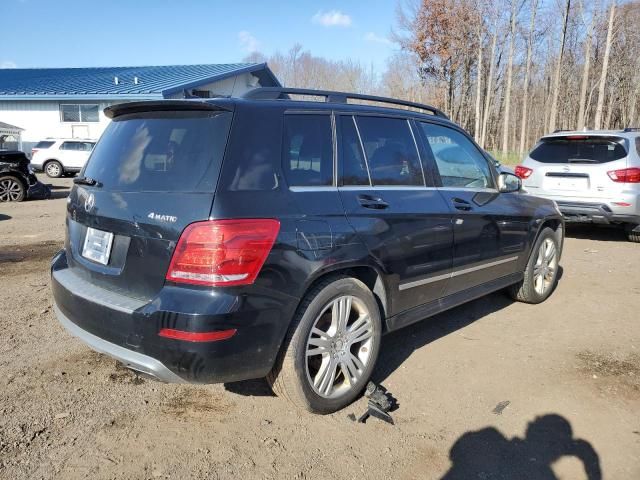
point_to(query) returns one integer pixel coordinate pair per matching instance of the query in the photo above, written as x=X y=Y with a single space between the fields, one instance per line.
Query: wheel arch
x=368 y=273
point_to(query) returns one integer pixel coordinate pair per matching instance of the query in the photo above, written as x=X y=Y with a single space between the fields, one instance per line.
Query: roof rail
x=632 y=129
x=282 y=93
x=561 y=130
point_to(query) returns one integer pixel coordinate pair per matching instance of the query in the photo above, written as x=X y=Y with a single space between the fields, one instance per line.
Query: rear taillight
x=523 y=172
x=222 y=252
x=625 y=175
x=33 y=151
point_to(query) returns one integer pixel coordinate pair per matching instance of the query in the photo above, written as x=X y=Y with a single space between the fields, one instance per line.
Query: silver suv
x=594 y=176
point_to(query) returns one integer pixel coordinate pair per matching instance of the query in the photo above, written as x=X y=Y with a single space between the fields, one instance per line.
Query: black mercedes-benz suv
x=276 y=236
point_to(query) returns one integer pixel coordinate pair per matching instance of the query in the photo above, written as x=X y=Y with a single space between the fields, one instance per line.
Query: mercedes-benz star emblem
x=89 y=203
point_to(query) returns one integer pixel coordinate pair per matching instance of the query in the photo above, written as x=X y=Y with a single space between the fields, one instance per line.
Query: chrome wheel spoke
x=340 y=313
x=361 y=332
x=322 y=343
x=351 y=368
x=326 y=376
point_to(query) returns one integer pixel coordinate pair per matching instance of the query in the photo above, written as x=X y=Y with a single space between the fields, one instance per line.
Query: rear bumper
x=127 y=329
x=600 y=213
x=134 y=360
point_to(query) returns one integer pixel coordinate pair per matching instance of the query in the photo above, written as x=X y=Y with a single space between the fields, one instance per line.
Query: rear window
x=579 y=150
x=161 y=151
x=44 y=144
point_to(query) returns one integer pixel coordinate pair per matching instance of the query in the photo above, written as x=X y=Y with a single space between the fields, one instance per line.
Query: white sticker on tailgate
x=97 y=245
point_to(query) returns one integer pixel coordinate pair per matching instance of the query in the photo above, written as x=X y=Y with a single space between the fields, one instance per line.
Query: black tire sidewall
x=338 y=288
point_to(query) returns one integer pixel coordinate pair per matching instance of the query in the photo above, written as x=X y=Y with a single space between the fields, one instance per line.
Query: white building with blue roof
x=68 y=102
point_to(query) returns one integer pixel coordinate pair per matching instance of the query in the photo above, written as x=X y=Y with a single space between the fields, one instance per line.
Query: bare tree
x=525 y=87
x=605 y=67
x=507 y=96
x=553 y=113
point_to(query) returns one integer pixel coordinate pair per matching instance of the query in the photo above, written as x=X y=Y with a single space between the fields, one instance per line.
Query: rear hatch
x=156 y=168
x=576 y=166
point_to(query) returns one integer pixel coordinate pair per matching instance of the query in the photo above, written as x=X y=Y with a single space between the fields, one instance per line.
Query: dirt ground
x=492 y=389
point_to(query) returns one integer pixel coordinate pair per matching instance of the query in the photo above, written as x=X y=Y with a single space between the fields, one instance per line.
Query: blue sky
x=75 y=33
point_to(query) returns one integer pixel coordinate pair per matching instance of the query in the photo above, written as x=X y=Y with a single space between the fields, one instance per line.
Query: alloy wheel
x=545 y=267
x=339 y=346
x=53 y=169
x=10 y=190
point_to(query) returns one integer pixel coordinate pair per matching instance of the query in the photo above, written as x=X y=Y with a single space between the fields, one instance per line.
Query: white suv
x=59 y=156
x=593 y=175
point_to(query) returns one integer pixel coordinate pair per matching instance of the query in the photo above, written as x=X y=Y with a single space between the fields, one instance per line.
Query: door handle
x=461 y=204
x=369 y=201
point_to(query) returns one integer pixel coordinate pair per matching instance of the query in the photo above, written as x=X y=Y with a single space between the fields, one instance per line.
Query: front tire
x=331 y=348
x=11 y=189
x=54 y=169
x=541 y=273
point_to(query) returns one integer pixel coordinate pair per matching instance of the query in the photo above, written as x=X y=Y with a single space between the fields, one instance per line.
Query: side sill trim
x=457 y=273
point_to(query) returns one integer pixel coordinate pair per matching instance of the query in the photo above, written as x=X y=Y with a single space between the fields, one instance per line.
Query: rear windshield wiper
x=86 y=181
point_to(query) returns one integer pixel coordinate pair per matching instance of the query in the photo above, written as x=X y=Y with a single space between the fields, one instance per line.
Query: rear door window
x=44 y=144
x=390 y=152
x=307 y=150
x=161 y=151
x=460 y=163
x=579 y=149
x=75 y=146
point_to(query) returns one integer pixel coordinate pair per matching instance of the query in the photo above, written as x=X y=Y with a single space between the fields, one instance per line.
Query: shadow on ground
x=4 y=217
x=488 y=454
x=397 y=346
x=600 y=233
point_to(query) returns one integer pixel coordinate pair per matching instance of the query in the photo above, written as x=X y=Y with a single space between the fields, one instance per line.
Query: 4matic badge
x=162 y=218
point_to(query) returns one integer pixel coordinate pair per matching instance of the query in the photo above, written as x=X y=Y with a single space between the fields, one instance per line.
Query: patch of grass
x=506 y=158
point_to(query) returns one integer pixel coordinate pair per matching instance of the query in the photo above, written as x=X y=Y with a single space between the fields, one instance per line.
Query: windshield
x=579 y=149
x=161 y=151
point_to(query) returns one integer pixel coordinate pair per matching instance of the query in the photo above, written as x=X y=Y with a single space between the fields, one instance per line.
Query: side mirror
x=508 y=183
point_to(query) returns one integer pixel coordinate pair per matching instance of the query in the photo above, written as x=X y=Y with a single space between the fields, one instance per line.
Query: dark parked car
x=237 y=238
x=17 y=181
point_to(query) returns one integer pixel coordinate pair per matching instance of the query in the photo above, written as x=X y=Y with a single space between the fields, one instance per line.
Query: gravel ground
x=492 y=389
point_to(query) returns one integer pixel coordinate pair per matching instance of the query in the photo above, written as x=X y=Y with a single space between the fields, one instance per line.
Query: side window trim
x=415 y=144
x=364 y=152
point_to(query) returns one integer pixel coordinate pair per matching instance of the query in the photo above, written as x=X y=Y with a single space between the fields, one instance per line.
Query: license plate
x=569 y=184
x=97 y=245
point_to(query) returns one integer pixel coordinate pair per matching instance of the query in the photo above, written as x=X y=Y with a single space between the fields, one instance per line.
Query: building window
x=78 y=113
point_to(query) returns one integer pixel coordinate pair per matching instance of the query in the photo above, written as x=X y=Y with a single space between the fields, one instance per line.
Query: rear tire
x=328 y=355
x=633 y=236
x=541 y=273
x=11 y=189
x=53 y=169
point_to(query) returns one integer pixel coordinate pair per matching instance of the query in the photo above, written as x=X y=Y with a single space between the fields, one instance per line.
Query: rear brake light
x=33 y=151
x=625 y=175
x=523 y=172
x=222 y=252
x=214 y=336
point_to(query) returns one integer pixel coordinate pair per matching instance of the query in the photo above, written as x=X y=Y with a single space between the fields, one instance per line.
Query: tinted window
x=44 y=144
x=579 y=149
x=390 y=151
x=354 y=166
x=71 y=146
x=308 y=150
x=459 y=162
x=638 y=145
x=161 y=151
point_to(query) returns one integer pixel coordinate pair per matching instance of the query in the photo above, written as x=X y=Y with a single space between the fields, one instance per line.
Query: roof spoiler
x=119 y=109
x=282 y=93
